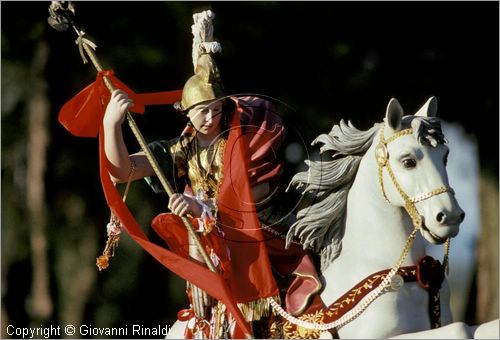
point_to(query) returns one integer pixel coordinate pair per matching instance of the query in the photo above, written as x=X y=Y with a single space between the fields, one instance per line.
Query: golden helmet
x=205 y=84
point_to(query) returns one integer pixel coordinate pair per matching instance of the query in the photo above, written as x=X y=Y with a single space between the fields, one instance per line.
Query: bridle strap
x=382 y=156
x=440 y=190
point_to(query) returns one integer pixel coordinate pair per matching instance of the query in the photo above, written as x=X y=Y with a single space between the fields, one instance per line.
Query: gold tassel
x=114 y=228
x=114 y=231
x=257 y=309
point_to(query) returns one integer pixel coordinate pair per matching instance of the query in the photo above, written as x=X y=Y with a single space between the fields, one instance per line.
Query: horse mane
x=321 y=213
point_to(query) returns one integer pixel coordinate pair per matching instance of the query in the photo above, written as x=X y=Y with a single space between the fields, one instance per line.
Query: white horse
x=375 y=190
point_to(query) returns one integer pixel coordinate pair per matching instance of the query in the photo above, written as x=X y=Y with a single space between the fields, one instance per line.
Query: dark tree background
x=325 y=60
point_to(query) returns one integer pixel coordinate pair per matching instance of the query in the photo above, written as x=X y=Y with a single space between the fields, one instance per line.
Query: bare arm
x=114 y=146
x=121 y=163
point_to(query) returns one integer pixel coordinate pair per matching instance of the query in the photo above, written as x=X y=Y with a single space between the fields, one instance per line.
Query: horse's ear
x=393 y=115
x=429 y=109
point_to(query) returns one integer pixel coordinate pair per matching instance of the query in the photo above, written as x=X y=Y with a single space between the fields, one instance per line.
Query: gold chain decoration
x=114 y=228
x=440 y=190
x=409 y=205
x=382 y=156
x=446 y=263
x=354 y=313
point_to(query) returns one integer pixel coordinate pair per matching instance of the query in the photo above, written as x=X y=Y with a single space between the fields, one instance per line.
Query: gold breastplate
x=206 y=168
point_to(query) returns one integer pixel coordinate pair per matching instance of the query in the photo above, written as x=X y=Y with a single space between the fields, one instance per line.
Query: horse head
x=411 y=156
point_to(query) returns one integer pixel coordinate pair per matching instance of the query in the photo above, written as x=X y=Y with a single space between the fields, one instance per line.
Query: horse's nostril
x=462 y=217
x=441 y=217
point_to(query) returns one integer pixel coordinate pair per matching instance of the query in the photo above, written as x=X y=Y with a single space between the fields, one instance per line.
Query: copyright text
x=86 y=330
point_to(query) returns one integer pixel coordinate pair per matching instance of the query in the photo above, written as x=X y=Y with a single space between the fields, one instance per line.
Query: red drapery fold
x=82 y=116
x=251 y=277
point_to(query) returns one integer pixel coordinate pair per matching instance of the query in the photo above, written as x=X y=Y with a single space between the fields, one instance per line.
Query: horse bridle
x=392 y=279
x=382 y=156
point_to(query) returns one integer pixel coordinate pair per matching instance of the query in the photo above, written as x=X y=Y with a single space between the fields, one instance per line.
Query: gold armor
x=203 y=86
x=204 y=164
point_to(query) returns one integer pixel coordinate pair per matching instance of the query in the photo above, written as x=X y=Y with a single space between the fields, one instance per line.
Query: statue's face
x=206 y=117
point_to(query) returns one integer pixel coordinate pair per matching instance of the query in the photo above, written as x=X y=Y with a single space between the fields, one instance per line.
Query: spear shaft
x=138 y=135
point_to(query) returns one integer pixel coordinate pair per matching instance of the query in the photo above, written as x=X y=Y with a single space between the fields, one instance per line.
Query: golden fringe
x=219 y=331
x=109 y=251
x=114 y=227
x=257 y=309
x=114 y=231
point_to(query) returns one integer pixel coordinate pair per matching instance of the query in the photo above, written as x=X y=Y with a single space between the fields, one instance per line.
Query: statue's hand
x=181 y=205
x=118 y=105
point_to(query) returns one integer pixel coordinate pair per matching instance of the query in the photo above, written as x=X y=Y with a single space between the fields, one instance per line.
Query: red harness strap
x=429 y=273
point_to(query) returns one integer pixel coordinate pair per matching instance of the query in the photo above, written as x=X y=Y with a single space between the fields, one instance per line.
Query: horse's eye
x=409 y=163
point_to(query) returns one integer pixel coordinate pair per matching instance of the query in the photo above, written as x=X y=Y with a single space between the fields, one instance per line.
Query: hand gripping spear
x=60 y=19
